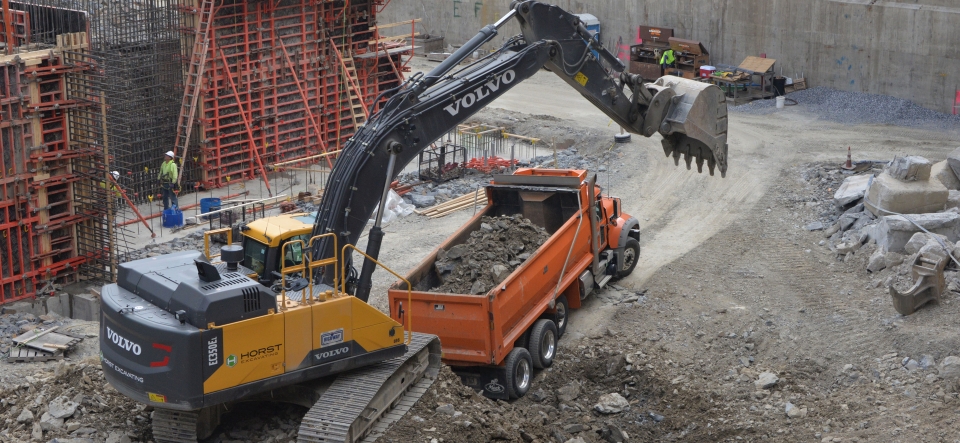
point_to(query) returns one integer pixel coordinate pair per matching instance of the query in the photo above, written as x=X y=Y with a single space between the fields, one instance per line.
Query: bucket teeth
x=691 y=150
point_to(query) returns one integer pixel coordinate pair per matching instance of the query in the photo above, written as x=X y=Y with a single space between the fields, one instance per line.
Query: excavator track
x=361 y=404
x=171 y=426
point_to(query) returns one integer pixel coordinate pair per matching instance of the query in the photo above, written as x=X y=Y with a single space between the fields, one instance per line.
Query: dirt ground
x=729 y=285
x=732 y=286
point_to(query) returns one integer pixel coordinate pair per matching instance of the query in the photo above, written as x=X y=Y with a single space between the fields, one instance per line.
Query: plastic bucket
x=780 y=101
x=207 y=205
x=172 y=218
x=707 y=71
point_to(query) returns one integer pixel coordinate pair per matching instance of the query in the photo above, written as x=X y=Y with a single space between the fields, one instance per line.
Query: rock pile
x=489 y=255
x=70 y=402
x=907 y=209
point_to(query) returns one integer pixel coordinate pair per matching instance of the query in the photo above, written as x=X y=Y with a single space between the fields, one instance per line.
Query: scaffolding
x=88 y=87
x=55 y=210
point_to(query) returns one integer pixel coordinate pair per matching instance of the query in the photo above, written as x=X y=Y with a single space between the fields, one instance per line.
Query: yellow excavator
x=191 y=337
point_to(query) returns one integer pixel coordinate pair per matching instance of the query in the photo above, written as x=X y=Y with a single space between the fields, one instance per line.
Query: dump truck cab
x=263 y=242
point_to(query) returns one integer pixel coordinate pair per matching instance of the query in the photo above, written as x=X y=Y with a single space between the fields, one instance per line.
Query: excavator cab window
x=293 y=255
x=254 y=255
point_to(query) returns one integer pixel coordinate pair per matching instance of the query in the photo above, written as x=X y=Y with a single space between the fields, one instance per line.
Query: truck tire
x=631 y=254
x=543 y=343
x=562 y=315
x=519 y=372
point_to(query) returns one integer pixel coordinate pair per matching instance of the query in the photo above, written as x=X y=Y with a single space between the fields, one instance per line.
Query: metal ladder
x=191 y=90
x=358 y=109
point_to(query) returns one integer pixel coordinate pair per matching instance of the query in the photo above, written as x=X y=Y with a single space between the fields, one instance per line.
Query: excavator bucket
x=695 y=127
x=929 y=285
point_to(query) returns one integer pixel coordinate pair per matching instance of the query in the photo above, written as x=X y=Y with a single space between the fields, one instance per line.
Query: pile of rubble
x=70 y=402
x=190 y=242
x=489 y=256
x=905 y=214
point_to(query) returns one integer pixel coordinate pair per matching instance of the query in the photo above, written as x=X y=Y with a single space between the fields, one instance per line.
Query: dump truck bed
x=482 y=329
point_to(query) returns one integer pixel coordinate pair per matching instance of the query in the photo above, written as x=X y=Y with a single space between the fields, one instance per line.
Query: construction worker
x=168 y=180
x=113 y=186
x=667 y=60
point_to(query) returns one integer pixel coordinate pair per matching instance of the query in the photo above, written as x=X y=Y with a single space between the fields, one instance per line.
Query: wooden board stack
x=465 y=201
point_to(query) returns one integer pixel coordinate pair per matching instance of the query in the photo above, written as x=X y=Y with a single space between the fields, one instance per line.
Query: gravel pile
x=856 y=108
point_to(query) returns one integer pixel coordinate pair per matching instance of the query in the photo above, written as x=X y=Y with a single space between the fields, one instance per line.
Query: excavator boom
x=690 y=116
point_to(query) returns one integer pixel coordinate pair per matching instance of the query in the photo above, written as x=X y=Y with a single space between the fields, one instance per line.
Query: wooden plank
x=394 y=24
x=51 y=342
x=24 y=355
x=29 y=336
x=757 y=64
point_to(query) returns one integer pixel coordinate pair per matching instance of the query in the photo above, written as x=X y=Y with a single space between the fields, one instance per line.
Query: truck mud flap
x=488 y=380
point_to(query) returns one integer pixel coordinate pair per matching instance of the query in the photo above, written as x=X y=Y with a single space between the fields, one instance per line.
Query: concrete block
x=852 y=189
x=87 y=306
x=954 y=161
x=943 y=172
x=916 y=197
x=59 y=304
x=910 y=168
x=893 y=232
x=26 y=307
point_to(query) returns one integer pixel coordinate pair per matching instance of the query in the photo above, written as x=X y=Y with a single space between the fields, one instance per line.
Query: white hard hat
x=116 y=175
x=169 y=154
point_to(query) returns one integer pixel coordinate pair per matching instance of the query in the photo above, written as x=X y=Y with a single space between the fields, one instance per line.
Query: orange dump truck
x=494 y=340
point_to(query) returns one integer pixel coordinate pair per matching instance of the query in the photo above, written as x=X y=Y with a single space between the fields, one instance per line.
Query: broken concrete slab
x=917 y=241
x=953 y=199
x=954 y=161
x=894 y=231
x=943 y=172
x=877 y=262
x=852 y=189
x=86 y=307
x=886 y=193
x=910 y=168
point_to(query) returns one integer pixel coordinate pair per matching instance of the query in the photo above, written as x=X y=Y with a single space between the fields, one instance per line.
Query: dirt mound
x=489 y=255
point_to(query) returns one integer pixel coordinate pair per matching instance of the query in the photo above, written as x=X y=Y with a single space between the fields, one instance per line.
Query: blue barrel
x=207 y=205
x=172 y=218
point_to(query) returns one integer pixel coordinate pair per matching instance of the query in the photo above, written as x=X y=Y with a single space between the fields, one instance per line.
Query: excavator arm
x=691 y=116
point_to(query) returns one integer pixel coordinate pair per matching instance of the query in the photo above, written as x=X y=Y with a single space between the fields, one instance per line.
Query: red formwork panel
x=272 y=86
x=37 y=213
x=21 y=28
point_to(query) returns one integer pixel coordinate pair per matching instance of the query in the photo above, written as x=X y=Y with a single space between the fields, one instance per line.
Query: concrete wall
x=908 y=49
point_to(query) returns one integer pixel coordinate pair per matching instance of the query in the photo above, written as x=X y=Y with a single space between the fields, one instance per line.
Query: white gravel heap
x=857 y=108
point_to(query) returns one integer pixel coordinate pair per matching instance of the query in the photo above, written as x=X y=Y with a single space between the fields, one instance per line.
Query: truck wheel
x=631 y=254
x=543 y=343
x=561 y=317
x=519 y=373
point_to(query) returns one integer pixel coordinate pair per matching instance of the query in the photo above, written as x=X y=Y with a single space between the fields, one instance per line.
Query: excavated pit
x=489 y=255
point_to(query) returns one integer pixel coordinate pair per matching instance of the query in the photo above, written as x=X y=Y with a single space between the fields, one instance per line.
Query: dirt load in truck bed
x=489 y=256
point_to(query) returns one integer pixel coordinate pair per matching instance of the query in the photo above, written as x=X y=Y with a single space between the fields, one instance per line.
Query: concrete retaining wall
x=907 y=49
